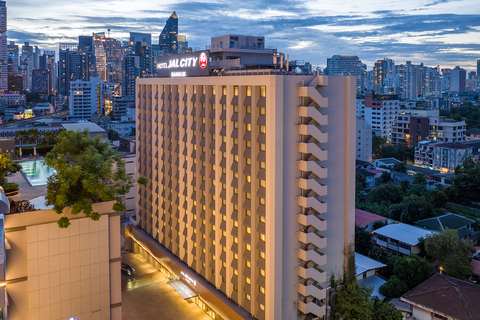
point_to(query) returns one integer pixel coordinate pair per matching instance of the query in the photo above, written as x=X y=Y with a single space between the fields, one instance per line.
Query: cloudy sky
x=435 y=32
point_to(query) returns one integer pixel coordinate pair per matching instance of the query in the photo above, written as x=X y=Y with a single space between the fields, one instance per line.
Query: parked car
x=127 y=269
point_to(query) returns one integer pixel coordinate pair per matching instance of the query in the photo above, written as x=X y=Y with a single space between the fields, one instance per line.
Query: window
x=261 y=289
x=261 y=272
x=261 y=219
x=262 y=129
x=263 y=165
x=248 y=213
x=248 y=109
x=262 y=236
x=247 y=280
x=249 y=91
x=263 y=110
x=248 y=178
x=247 y=296
x=248 y=161
x=261 y=254
x=235 y=256
x=235 y=288
x=248 y=195
x=248 y=264
x=261 y=201
x=248 y=230
x=263 y=91
x=235 y=90
x=224 y=249
x=235 y=272
x=248 y=126
x=235 y=239
x=262 y=183
x=262 y=307
x=248 y=247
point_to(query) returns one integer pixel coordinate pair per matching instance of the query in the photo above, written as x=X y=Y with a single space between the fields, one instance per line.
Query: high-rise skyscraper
x=478 y=67
x=13 y=57
x=168 y=39
x=382 y=69
x=246 y=192
x=3 y=47
x=100 y=56
x=142 y=38
x=72 y=65
x=113 y=53
x=458 y=79
x=41 y=82
x=347 y=66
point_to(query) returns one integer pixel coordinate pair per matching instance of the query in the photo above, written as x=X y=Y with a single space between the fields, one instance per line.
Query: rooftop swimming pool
x=36 y=172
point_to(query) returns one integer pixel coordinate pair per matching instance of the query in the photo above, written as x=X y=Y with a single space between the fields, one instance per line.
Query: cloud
x=444 y=32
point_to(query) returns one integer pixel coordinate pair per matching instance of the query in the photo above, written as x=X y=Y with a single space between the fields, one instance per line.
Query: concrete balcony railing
x=312 y=202
x=312 y=92
x=312 y=112
x=313 y=272
x=313 y=148
x=312 y=166
x=311 y=288
x=314 y=238
x=312 y=184
x=313 y=220
x=313 y=306
x=314 y=255
x=312 y=130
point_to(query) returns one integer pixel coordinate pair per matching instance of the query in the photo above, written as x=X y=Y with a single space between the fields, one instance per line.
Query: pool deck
x=26 y=191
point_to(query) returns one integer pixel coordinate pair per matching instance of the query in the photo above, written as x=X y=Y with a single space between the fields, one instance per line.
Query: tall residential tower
x=3 y=47
x=168 y=38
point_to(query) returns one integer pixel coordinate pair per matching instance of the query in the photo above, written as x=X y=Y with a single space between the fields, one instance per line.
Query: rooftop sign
x=191 y=64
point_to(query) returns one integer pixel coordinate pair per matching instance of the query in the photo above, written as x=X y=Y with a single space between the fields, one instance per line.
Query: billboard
x=191 y=64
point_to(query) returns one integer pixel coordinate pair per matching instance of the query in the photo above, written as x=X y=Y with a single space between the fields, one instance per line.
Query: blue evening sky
x=435 y=32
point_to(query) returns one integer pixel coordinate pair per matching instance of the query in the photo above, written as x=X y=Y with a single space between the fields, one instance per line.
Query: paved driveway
x=148 y=296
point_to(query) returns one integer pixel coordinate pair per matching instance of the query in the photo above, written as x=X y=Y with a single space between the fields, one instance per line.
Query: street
x=147 y=295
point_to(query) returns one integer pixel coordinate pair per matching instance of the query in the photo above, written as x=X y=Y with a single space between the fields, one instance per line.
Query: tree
x=413 y=270
x=457 y=268
x=466 y=184
x=113 y=135
x=399 y=167
x=419 y=178
x=393 y=288
x=439 y=198
x=360 y=183
x=363 y=241
x=395 y=211
x=385 y=310
x=353 y=303
x=386 y=193
x=385 y=177
x=377 y=143
x=34 y=135
x=404 y=184
x=416 y=208
x=447 y=243
x=7 y=167
x=48 y=137
x=84 y=176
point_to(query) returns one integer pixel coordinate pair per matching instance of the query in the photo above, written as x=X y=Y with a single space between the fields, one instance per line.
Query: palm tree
x=48 y=137
x=34 y=135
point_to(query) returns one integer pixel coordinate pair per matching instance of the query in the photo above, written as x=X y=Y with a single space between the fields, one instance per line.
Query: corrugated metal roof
x=363 y=264
x=403 y=232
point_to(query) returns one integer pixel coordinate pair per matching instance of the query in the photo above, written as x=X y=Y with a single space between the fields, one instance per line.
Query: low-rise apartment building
x=380 y=112
x=400 y=237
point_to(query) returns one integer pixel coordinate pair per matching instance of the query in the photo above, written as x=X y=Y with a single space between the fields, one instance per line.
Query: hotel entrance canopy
x=182 y=289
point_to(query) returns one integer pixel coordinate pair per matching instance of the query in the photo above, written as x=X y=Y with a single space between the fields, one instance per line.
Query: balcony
x=312 y=271
x=312 y=254
x=312 y=219
x=312 y=148
x=313 y=112
x=312 y=184
x=311 y=288
x=312 y=166
x=312 y=92
x=314 y=238
x=313 y=306
x=312 y=202
x=314 y=131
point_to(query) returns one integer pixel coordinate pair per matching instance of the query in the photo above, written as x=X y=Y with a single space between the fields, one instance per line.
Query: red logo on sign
x=203 y=60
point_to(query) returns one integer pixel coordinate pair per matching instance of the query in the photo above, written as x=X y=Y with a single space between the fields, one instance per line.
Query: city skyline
x=444 y=32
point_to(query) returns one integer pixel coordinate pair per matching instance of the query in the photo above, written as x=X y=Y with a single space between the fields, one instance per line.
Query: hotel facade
x=251 y=194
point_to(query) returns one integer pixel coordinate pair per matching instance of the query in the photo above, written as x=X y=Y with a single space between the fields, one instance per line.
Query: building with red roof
x=366 y=219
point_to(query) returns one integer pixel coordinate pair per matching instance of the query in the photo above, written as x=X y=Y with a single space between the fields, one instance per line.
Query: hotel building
x=251 y=192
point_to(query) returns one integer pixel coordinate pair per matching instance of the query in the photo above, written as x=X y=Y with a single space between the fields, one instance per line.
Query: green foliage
x=395 y=211
x=404 y=185
x=363 y=241
x=416 y=208
x=10 y=187
x=84 y=175
x=379 y=224
x=447 y=243
x=466 y=183
x=387 y=193
x=360 y=183
x=419 y=178
x=466 y=111
x=393 y=288
x=457 y=268
x=400 y=167
x=385 y=311
x=7 y=167
x=113 y=135
x=353 y=303
x=439 y=198
x=413 y=270
x=377 y=143
x=385 y=177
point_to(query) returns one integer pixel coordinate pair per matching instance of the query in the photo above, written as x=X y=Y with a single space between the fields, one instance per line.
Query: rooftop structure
x=403 y=232
x=445 y=297
x=367 y=219
x=448 y=221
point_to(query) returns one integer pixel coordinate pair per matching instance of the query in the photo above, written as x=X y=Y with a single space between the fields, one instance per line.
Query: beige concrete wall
x=57 y=273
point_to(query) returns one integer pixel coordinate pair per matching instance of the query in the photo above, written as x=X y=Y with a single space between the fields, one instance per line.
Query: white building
x=380 y=112
x=400 y=237
x=14 y=99
x=363 y=142
x=347 y=66
x=89 y=97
